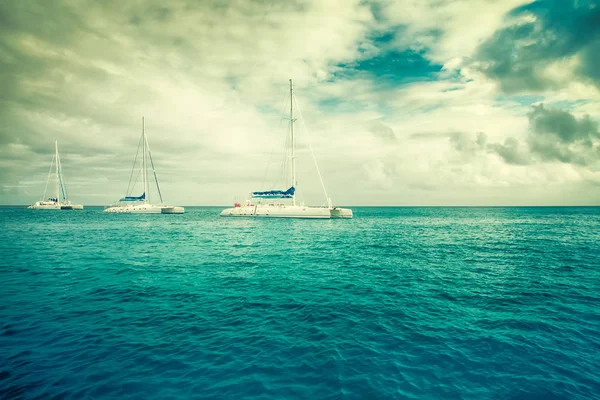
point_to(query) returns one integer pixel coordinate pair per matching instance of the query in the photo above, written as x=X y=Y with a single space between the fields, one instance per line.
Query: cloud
x=511 y=152
x=543 y=46
x=464 y=145
x=563 y=125
x=557 y=135
x=553 y=136
x=383 y=131
x=449 y=29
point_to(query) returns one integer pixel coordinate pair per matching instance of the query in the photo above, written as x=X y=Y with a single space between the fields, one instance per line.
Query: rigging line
x=133 y=167
x=61 y=179
x=48 y=179
x=155 y=177
x=154 y=171
x=311 y=150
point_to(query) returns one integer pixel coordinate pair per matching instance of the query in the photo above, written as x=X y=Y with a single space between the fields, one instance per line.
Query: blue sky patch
x=524 y=100
x=395 y=68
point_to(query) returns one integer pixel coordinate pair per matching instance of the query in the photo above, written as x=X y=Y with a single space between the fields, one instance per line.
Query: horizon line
x=368 y=206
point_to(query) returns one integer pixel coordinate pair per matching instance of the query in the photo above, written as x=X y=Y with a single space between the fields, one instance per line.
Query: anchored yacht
x=60 y=201
x=141 y=204
x=282 y=203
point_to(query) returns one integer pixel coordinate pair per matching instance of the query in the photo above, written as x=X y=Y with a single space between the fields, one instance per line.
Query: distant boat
x=276 y=203
x=60 y=201
x=141 y=204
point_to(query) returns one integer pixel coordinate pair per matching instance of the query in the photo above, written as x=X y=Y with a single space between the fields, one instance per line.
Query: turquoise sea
x=397 y=303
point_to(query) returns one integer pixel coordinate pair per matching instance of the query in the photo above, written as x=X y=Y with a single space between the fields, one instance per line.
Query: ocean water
x=398 y=303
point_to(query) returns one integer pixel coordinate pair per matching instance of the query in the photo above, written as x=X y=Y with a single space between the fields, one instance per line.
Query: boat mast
x=293 y=142
x=144 y=166
x=61 y=180
x=56 y=162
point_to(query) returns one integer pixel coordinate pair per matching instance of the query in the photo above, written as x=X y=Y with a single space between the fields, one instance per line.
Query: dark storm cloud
x=517 y=54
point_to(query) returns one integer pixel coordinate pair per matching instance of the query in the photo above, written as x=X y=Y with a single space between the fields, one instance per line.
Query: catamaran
x=57 y=202
x=141 y=204
x=282 y=203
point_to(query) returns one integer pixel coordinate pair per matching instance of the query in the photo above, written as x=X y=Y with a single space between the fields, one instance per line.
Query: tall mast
x=144 y=166
x=61 y=180
x=56 y=162
x=293 y=142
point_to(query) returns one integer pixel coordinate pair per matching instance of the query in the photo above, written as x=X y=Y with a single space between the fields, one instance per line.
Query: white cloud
x=451 y=29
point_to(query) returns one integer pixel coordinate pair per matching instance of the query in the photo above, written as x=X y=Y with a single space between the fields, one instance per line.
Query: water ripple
x=407 y=303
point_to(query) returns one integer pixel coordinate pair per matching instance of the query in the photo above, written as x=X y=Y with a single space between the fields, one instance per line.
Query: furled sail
x=133 y=198
x=275 y=194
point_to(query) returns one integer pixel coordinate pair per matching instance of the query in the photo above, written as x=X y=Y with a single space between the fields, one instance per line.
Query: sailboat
x=60 y=201
x=282 y=203
x=141 y=204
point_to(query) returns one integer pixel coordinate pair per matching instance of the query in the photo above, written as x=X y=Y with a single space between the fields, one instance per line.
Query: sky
x=407 y=102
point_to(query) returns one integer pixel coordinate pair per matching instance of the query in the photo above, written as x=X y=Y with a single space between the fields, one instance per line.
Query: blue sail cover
x=275 y=194
x=133 y=198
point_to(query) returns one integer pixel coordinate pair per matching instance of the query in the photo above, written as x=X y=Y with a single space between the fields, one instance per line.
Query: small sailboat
x=60 y=201
x=282 y=203
x=141 y=204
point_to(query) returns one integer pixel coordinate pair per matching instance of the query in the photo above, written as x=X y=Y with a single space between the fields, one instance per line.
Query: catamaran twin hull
x=71 y=207
x=338 y=212
x=134 y=209
x=144 y=209
x=55 y=207
x=43 y=205
x=284 y=211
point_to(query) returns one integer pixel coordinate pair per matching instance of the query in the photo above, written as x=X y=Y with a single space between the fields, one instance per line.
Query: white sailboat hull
x=40 y=205
x=284 y=211
x=337 y=212
x=46 y=205
x=277 y=211
x=71 y=207
x=134 y=209
x=172 y=210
